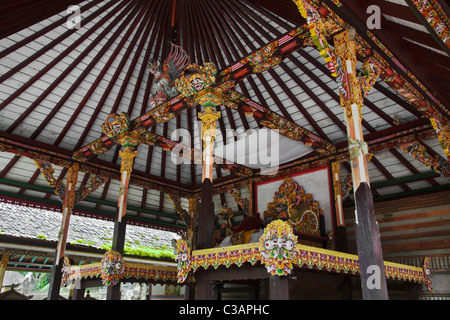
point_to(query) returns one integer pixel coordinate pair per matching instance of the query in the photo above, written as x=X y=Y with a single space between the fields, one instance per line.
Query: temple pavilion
x=252 y=149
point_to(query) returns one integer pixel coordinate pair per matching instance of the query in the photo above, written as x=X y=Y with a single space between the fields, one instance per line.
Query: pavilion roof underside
x=58 y=85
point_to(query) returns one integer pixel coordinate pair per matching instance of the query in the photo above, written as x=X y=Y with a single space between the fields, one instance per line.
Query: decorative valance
x=112 y=269
x=279 y=251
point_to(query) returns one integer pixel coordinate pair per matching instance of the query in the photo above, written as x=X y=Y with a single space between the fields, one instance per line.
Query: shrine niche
x=292 y=204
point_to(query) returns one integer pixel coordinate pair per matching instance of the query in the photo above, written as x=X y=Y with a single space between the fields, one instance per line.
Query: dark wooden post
x=69 y=201
x=373 y=279
x=340 y=233
x=278 y=287
x=204 y=289
x=206 y=217
x=371 y=264
x=189 y=293
x=205 y=234
x=79 y=290
x=412 y=291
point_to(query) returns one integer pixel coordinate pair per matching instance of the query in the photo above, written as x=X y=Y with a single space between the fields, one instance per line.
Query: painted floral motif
x=436 y=17
x=426 y=273
x=112 y=268
x=443 y=132
x=278 y=248
x=65 y=271
x=184 y=260
x=317 y=31
x=418 y=151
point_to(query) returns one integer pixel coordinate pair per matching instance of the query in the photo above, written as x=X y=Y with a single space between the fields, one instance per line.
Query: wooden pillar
x=251 y=201
x=193 y=211
x=278 y=287
x=204 y=289
x=340 y=233
x=205 y=234
x=370 y=255
x=412 y=291
x=336 y=172
x=69 y=201
x=189 y=293
x=79 y=290
x=206 y=214
x=373 y=280
x=205 y=237
x=118 y=241
x=3 y=265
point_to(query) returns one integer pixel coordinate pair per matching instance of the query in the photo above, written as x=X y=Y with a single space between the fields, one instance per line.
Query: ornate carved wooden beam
x=62 y=157
x=419 y=152
x=259 y=61
x=384 y=48
x=433 y=16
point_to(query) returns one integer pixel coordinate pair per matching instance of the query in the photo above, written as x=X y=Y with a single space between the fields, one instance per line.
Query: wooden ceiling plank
x=355 y=15
x=224 y=29
x=443 y=46
x=410 y=167
x=398 y=100
x=9 y=166
x=297 y=21
x=386 y=173
x=311 y=94
x=248 y=26
x=391 y=9
x=107 y=66
x=296 y=102
x=286 y=9
x=123 y=86
x=210 y=54
x=252 y=17
x=31 y=14
x=232 y=20
x=49 y=46
x=31 y=181
x=147 y=22
x=44 y=30
x=412 y=34
x=195 y=52
x=59 y=79
x=219 y=34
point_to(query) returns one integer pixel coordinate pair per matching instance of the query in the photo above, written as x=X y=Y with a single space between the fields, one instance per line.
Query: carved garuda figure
x=163 y=86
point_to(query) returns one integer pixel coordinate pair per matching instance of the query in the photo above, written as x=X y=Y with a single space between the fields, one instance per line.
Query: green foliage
x=144 y=251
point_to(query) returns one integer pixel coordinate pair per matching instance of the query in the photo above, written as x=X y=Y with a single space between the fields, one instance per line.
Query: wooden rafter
x=176 y=105
x=353 y=13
